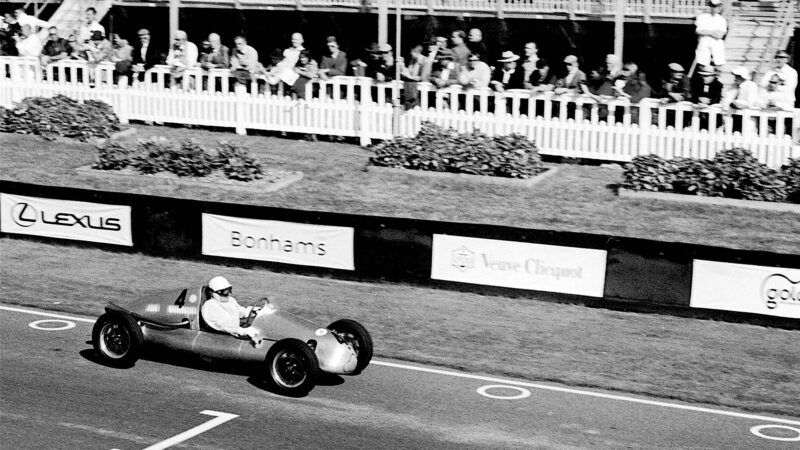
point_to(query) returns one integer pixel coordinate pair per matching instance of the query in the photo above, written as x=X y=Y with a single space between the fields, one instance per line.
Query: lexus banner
x=65 y=219
x=773 y=291
x=520 y=265
x=284 y=242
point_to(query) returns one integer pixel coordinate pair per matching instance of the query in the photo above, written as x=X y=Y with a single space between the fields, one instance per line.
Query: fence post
x=241 y=108
x=365 y=101
x=122 y=99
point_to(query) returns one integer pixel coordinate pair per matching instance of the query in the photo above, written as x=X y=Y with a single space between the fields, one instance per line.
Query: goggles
x=225 y=292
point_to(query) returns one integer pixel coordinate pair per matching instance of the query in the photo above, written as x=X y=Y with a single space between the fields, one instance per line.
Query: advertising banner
x=284 y=242
x=65 y=219
x=773 y=291
x=520 y=265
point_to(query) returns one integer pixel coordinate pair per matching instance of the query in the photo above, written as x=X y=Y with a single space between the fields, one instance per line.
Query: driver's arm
x=219 y=319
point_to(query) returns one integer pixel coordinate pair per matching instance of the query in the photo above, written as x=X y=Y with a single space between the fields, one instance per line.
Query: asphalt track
x=53 y=395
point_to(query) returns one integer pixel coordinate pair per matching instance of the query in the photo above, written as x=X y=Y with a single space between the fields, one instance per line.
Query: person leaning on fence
x=706 y=87
x=181 y=57
x=98 y=50
x=122 y=57
x=145 y=53
x=335 y=62
x=411 y=75
x=786 y=73
x=542 y=79
x=772 y=96
x=308 y=70
x=509 y=75
x=711 y=28
x=675 y=87
x=55 y=49
x=214 y=55
x=476 y=75
x=574 y=82
x=380 y=65
x=244 y=61
x=445 y=70
x=28 y=42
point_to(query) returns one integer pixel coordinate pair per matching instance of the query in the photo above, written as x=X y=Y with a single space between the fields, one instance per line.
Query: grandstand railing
x=565 y=125
x=641 y=8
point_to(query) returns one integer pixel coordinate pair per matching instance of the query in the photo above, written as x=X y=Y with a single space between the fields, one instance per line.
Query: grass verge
x=735 y=365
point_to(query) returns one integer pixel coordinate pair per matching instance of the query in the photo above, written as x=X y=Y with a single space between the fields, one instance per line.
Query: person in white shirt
x=773 y=98
x=711 y=28
x=529 y=64
x=35 y=23
x=29 y=43
x=223 y=313
x=786 y=73
x=744 y=93
x=91 y=25
x=477 y=74
x=183 y=55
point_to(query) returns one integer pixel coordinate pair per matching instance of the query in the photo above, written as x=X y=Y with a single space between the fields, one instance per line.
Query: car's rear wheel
x=359 y=338
x=117 y=340
x=292 y=367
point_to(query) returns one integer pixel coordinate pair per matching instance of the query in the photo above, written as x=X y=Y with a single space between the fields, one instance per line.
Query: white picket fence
x=357 y=107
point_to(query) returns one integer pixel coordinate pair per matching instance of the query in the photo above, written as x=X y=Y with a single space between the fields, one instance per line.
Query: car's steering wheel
x=254 y=311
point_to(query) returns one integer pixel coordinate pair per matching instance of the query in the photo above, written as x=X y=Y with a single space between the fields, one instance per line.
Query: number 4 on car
x=293 y=353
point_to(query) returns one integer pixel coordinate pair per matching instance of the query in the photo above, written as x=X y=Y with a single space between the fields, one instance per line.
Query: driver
x=222 y=312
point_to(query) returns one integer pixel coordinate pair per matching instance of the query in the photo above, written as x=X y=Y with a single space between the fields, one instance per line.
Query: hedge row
x=445 y=150
x=60 y=116
x=185 y=159
x=733 y=173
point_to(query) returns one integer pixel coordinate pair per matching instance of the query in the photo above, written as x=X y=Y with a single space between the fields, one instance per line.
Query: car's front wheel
x=292 y=367
x=359 y=338
x=117 y=340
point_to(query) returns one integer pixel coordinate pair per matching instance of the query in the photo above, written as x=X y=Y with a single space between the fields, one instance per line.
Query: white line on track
x=509 y=382
x=220 y=418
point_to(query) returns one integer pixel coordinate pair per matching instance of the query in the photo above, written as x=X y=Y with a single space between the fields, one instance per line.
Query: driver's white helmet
x=218 y=283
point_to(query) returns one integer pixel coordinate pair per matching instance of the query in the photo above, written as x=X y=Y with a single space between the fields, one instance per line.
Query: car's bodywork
x=172 y=320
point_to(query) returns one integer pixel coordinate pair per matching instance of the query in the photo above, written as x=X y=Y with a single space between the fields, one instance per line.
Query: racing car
x=291 y=357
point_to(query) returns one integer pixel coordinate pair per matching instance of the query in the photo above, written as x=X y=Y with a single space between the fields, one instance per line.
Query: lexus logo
x=24 y=215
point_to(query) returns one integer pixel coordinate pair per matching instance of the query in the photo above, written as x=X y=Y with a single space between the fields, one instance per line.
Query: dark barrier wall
x=641 y=274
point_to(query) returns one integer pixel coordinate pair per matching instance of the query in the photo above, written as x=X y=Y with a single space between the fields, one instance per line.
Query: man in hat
x=706 y=88
x=510 y=75
x=675 y=88
x=477 y=74
x=744 y=92
x=786 y=73
x=574 y=82
x=711 y=28
x=772 y=97
x=380 y=65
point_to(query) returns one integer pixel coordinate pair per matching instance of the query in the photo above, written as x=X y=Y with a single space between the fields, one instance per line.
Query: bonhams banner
x=773 y=291
x=64 y=219
x=521 y=265
x=284 y=242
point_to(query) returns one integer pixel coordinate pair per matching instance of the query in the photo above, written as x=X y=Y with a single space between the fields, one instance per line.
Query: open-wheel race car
x=291 y=356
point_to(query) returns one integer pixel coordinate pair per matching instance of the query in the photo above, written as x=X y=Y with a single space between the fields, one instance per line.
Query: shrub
x=790 y=174
x=237 y=164
x=60 y=116
x=151 y=155
x=112 y=156
x=189 y=159
x=732 y=173
x=445 y=150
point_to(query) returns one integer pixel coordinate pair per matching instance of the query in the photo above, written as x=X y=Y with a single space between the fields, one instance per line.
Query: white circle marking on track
x=523 y=393
x=757 y=431
x=66 y=325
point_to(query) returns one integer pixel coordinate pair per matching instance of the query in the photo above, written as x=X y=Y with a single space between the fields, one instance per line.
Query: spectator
x=411 y=74
x=786 y=73
x=308 y=70
x=380 y=66
x=215 y=55
x=675 y=88
x=55 y=49
x=335 y=62
x=529 y=64
x=543 y=79
x=574 y=82
x=711 y=28
x=441 y=42
x=35 y=23
x=459 y=48
x=772 y=96
x=292 y=54
x=632 y=84
x=89 y=26
x=284 y=70
x=98 y=50
x=602 y=81
x=445 y=70
x=7 y=45
x=476 y=44
x=145 y=54
x=430 y=60
x=182 y=56
x=477 y=74
x=244 y=61
x=75 y=48
x=12 y=25
x=706 y=88
x=28 y=42
x=744 y=93
x=509 y=75
x=122 y=57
